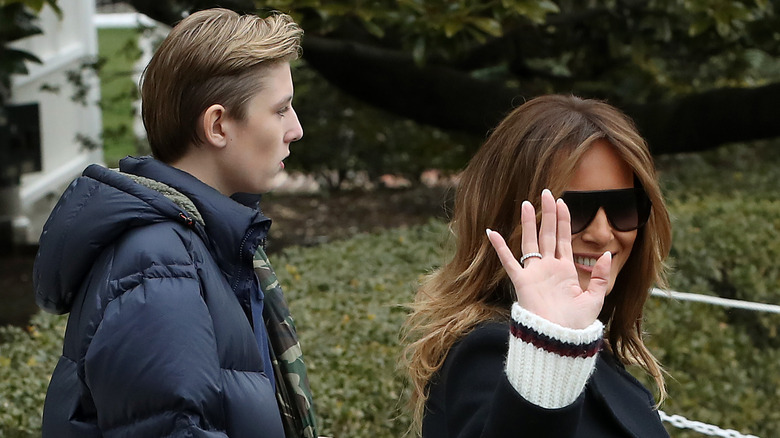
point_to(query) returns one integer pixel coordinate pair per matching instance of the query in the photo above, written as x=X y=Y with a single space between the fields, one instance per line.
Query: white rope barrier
x=681 y=422
x=723 y=302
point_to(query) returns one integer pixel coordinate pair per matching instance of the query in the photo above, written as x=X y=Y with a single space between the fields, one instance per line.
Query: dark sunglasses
x=626 y=209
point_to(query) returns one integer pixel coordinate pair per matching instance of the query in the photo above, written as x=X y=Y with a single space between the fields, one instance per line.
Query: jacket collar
x=234 y=226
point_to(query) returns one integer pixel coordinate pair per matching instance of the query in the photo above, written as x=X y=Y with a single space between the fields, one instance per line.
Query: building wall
x=67 y=43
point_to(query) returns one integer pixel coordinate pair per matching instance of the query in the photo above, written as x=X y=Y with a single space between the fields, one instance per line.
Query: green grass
x=118 y=52
x=348 y=296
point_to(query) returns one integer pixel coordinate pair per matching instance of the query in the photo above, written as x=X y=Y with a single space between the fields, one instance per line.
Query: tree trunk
x=435 y=95
x=706 y=120
x=451 y=99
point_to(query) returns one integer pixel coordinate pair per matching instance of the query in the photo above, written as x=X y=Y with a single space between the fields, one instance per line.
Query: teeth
x=586 y=261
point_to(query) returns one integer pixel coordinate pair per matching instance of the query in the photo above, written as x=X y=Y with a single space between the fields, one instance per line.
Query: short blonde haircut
x=215 y=56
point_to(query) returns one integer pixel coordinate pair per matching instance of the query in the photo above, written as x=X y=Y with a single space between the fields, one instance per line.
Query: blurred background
x=394 y=97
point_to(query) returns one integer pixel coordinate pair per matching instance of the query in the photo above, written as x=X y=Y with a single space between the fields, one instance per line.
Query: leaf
x=17 y=23
x=35 y=5
x=373 y=29
x=488 y=25
x=12 y=61
x=53 y=4
x=699 y=26
x=452 y=27
x=418 y=51
x=549 y=6
x=723 y=28
x=536 y=11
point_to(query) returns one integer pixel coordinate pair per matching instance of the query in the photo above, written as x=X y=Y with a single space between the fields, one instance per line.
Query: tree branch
x=171 y=12
x=450 y=99
x=706 y=120
x=391 y=80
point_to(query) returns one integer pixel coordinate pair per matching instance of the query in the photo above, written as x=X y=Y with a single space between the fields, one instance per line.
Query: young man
x=177 y=326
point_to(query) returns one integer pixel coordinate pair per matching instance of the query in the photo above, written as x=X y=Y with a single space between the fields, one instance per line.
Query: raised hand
x=548 y=285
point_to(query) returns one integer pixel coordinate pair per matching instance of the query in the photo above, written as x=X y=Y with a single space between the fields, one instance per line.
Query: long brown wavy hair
x=538 y=145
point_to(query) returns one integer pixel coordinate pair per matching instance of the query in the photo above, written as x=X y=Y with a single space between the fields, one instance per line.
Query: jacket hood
x=103 y=204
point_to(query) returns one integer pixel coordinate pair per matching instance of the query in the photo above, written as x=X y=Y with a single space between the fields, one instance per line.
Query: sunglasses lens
x=626 y=209
x=582 y=208
x=624 y=215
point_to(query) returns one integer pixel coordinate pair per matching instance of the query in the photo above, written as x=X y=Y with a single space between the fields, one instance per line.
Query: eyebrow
x=285 y=100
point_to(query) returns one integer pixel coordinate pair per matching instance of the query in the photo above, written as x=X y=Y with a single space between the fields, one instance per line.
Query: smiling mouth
x=585 y=261
x=588 y=262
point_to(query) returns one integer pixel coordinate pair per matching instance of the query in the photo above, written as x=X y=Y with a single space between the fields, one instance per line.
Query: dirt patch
x=17 y=302
x=305 y=220
x=316 y=219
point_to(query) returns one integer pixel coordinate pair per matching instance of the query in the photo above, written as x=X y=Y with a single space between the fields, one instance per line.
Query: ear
x=213 y=122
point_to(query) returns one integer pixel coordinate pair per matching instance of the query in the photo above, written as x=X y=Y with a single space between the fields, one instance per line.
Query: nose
x=295 y=131
x=599 y=231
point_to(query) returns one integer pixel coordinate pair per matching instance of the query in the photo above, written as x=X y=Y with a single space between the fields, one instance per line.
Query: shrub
x=27 y=359
x=118 y=53
x=345 y=137
x=715 y=373
x=348 y=300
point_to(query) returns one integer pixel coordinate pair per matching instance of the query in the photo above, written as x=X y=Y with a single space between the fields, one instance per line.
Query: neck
x=198 y=164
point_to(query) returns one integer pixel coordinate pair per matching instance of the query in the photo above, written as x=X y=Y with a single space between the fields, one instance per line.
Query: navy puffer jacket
x=157 y=281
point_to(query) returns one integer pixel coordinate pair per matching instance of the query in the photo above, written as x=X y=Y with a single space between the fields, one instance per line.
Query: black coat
x=472 y=397
x=158 y=341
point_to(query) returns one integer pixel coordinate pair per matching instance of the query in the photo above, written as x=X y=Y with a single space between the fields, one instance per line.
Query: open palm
x=549 y=286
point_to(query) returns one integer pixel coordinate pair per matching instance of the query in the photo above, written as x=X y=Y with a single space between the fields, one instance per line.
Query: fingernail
x=547 y=190
x=559 y=201
x=607 y=252
x=488 y=231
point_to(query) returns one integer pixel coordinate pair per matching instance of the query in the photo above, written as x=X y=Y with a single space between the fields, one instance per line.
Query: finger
x=563 y=250
x=547 y=229
x=508 y=260
x=599 y=278
x=529 y=241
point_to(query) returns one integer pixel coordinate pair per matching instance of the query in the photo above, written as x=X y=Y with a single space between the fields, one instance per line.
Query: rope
x=681 y=422
x=724 y=302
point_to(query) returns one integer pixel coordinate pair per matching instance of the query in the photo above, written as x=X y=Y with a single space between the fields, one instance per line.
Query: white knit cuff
x=549 y=364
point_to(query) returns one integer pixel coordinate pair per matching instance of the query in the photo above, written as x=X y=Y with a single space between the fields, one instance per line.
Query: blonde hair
x=537 y=146
x=212 y=56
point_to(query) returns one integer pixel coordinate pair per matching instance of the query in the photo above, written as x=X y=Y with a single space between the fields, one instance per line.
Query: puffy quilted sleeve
x=152 y=365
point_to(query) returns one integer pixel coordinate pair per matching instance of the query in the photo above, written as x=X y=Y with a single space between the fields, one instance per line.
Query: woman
x=536 y=345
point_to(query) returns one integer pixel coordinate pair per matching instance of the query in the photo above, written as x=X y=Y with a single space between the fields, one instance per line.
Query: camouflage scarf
x=292 y=384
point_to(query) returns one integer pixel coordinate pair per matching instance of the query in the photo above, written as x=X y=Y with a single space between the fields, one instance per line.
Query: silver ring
x=528 y=256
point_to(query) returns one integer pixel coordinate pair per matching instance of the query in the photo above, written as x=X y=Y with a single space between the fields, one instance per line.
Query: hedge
x=348 y=299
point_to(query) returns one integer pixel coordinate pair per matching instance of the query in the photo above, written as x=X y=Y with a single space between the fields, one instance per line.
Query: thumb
x=599 y=278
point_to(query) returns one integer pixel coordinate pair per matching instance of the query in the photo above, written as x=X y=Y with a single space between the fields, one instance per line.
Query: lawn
x=118 y=52
x=348 y=299
x=349 y=296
